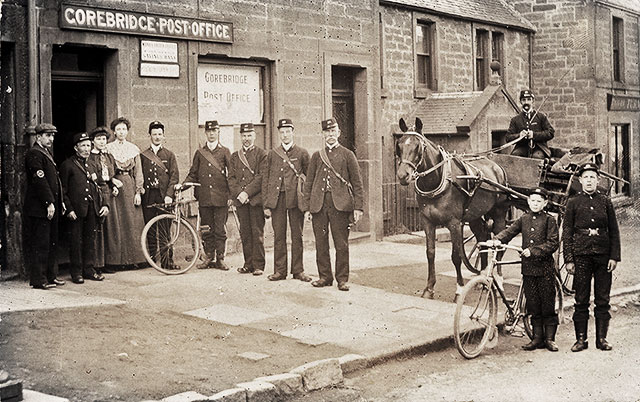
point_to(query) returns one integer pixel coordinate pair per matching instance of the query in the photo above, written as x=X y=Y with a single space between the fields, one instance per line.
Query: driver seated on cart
x=540 y=240
x=533 y=129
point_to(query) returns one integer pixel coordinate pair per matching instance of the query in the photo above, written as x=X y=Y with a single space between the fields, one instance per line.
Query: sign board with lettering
x=159 y=70
x=136 y=23
x=158 y=52
x=229 y=93
x=623 y=103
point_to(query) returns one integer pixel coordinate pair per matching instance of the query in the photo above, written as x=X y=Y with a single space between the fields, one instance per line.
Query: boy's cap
x=329 y=124
x=585 y=167
x=211 y=125
x=46 y=128
x=285 y=123
x=540 y=191
x=155 y=124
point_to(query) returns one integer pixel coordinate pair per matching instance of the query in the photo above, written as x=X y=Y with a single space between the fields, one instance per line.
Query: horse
x=447 y=200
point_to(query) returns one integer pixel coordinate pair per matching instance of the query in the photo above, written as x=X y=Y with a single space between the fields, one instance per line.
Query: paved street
x=142 y=335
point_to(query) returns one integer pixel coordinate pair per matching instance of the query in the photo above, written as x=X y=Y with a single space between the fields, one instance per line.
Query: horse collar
x=445 y=177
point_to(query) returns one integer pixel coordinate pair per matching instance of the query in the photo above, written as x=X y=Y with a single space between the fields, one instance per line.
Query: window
x=620 y=159
x=482 y=59
x=424 y=55
x=617 y=35
x=497 y=39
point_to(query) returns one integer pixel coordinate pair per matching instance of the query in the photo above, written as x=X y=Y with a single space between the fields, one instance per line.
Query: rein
x=445 y=163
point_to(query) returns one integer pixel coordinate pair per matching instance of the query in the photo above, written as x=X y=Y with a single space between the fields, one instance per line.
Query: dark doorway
x=77 y=94
x=343 y=104
x=499 y=138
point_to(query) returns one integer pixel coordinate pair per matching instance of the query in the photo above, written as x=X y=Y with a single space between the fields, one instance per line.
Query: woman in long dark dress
x=124 y=228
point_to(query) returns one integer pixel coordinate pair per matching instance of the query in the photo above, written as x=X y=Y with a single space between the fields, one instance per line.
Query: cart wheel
x=471 y=257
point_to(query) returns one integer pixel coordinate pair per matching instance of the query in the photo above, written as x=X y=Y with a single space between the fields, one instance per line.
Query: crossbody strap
x=244 y=160
x=209 y=157
x=326 y=161
x=284 y=156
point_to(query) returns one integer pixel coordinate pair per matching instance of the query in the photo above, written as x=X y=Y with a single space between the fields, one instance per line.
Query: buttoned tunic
x=161 y=177
x=540 y=235
x=590 y=227
x=214 y=186
x=280 y=177
x=242 y=179
x=542 y=131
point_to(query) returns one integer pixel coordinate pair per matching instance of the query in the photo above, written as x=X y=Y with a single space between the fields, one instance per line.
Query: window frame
x=481 y=61
x=617 y=49
x=422 y=90
x=620 y=167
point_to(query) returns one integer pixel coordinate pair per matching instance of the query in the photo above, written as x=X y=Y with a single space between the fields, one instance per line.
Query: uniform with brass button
x=245 y=184
x=210 y=168
x=42 y=207
x=534 y=128
x=161 y=174
x=280 y=197
x=85 y=206
x=591 y=247
x=333 y=196
x=540 y=237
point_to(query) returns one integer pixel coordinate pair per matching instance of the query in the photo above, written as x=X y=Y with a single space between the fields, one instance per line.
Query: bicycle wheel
x=170 y=246
x=475 y=317
x=526 y=318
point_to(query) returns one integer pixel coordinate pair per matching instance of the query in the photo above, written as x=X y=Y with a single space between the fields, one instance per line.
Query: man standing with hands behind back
x=285 y=164
x=333 y=193
x=591 y=246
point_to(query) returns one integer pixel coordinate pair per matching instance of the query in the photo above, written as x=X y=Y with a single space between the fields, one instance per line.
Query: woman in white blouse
x=124 y=228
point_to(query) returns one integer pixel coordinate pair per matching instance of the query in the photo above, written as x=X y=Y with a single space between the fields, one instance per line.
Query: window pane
x=423 y=39
x=422 y=69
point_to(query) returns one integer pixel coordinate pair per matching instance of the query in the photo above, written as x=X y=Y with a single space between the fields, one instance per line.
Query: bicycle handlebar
x=500 y=247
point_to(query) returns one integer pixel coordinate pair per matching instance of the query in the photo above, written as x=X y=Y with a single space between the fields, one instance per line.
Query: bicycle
x=170 y=243
x=476 y=323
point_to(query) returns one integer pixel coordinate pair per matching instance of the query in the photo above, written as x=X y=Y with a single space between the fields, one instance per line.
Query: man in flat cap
x=591 y=249
x=42 y=207
x=539 y=241
x=532 y=127
x=286 y=167
x=210 y=168
x=245 y=184
x=160 y=174
x=333 y=195
x=85 y=206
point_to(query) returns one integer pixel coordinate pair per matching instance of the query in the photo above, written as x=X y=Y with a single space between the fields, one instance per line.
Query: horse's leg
x=430 y=238
x=499 y=216
x=455 y=229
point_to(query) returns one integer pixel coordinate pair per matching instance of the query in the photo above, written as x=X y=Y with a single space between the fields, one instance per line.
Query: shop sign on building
x=230 y=94
x=136 y=23
x=623 y=103
x=159 y=59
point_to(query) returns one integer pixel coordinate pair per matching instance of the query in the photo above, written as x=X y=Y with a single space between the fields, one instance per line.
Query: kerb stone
x=352 y=362
x=230 y=395
x=320 y=374
x=259 y=391
x=189 y=396
x=286 y=384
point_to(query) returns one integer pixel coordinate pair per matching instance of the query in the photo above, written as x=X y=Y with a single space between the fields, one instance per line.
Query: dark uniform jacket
x=214 y=187
x=542 y=131
x=104 y=176
x=540 y=235
x=590 y=227
x=80 y=186
x=240 y=177
x=43 y=183
x=159 y=171
x=279 y=174
x=345 y=163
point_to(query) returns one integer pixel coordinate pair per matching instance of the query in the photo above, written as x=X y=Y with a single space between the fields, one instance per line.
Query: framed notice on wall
x=230 y=94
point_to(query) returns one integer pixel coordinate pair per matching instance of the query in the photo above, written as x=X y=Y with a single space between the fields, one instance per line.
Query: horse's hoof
x=429 y=292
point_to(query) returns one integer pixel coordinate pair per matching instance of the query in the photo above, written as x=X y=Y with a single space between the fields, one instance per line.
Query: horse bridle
x=444 y=163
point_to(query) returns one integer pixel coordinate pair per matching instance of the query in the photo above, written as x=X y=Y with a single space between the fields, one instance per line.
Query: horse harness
x=446 y=177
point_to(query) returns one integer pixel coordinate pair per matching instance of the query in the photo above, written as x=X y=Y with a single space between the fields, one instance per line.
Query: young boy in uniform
x=539 y=242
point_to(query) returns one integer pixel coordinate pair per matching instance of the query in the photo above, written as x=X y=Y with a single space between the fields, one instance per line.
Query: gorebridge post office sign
x=136 y=23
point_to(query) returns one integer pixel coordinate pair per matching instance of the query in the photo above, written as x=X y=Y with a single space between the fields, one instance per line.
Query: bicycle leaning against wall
x=170 y=242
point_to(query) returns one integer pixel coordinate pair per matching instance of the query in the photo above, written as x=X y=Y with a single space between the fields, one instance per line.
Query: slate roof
x=498 y=12
x=629 y=5
x=454 y=112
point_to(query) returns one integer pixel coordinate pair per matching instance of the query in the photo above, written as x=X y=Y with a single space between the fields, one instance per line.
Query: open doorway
x=77 y=94
x=342 y=97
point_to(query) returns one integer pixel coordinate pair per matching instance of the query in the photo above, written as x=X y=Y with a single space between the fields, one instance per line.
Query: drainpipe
x=34 y=81
x=531 y=61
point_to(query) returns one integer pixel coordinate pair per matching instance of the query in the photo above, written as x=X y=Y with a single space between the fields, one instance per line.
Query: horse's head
x=414 y=152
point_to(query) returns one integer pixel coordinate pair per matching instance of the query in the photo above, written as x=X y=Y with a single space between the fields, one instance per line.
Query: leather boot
x=550 y=337
x=537 y=342
x=209 y=262
x=602 y=326
x=581 y=336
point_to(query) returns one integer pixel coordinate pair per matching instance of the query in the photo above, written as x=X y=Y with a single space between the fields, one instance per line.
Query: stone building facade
x=81 y=64
x=586 y=64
